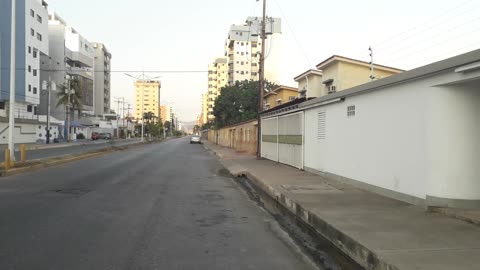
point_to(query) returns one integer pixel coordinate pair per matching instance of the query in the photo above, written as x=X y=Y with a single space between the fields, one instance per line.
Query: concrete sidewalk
x=375 y=231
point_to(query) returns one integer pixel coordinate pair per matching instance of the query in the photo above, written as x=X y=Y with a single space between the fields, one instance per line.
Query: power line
x=419 y=25
x=443 y=54
x=114 y=71
x=434 y=45
x=293 y=33
x=440 y=34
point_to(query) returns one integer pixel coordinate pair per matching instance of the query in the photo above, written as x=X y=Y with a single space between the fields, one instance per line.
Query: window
x=242 y=44
x=32 y=32
x=29 y=49
x=35 y=111
x=243 y=53
x=29 y=108
x=39 y=18
x=243 y=63
x=32 y=13
x=279 y=102
x=2 y=105
x=351 y=111
x=290 y=98
x=39 y=37
x=29 y=68
x=35 y=54
x=29 y=88
x=34 y=72
x=35 y=90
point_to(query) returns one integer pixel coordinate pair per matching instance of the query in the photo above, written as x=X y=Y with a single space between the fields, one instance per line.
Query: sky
x=179 y=36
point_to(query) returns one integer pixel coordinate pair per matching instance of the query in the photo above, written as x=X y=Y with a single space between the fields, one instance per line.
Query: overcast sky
x=187 y=35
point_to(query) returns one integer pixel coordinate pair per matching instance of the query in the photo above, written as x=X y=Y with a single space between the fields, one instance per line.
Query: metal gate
x=283 y=140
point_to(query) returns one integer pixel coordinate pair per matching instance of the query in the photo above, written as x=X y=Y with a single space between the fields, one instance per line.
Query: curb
x=349 y=246
x=59 y=160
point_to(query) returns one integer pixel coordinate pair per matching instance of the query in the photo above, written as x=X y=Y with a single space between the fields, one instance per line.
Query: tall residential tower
x=31 y=21
x=149 y=91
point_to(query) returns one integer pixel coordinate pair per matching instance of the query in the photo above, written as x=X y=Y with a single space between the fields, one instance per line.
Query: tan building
x=166 y=113
x=150 y=91
x=310 y=83
x=338 y=73
x=217 y=78
x=279 y=96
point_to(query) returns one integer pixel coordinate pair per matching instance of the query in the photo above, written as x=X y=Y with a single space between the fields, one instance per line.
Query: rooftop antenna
x=371 y=64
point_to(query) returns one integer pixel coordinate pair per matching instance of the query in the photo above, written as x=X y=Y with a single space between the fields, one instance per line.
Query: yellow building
x=217 y=78
x=147 y=96
x=338 y=73
x=166 y=113
x=204 y=108
x=279 y=96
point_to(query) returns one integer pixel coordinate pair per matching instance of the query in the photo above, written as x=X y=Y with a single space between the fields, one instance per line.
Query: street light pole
x=11 y=116
x=143 y=104
x=261 y=81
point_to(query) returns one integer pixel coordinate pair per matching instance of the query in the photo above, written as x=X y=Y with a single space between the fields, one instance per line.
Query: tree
x=238 y=103
x=75 y=97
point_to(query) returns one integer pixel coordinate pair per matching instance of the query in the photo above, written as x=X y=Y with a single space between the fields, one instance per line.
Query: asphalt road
x=68 y=150
x=159 y=206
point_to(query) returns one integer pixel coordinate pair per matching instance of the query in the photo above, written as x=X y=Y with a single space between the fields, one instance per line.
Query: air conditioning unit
x=332 y=89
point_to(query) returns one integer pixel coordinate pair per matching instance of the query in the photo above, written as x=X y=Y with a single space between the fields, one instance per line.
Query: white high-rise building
x=70 y=56
x=31 y=44
x=102 y=79
x=243 y=47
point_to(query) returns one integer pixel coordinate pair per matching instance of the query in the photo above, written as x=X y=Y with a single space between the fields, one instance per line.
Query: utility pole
x=261 y=80
x=128 y=115
x=117 y=99
x=143 y=104
x=123 y=113
x=49 y=89
x=11 y=116
x=69 y=84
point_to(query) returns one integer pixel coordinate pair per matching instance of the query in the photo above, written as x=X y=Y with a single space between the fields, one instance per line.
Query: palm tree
x=75 y=97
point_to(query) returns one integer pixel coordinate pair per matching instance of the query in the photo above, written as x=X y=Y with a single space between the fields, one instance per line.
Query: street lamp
x=143 y=99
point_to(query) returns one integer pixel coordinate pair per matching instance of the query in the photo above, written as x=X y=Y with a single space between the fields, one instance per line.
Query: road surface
x=159 y=206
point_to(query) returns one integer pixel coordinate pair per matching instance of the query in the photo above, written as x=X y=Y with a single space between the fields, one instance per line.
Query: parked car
x=95 y=136
x=195 y=139
x=105 y=136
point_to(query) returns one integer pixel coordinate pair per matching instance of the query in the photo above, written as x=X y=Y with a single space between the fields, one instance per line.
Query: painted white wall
x=42 y=132
x=23 y=133
x=384 y=144
x=454 y=145
x=412 y=138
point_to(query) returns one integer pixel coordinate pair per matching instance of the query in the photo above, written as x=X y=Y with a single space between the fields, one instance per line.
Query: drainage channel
x=321 y=251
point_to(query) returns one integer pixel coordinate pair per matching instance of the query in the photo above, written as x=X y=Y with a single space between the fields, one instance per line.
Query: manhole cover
x=72 y=191
x=311 y=189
